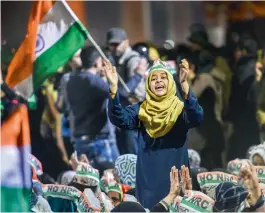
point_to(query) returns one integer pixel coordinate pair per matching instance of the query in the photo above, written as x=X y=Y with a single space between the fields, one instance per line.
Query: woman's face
x=115 y=198
x=258 y=161
x=159 y=83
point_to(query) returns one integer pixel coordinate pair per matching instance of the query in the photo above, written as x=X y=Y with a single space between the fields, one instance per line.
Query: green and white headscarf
x=258 y=150
x=86 y=175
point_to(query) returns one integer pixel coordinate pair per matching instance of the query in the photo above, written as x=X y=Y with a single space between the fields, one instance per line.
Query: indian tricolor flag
x=15 y=169
x=54 y=35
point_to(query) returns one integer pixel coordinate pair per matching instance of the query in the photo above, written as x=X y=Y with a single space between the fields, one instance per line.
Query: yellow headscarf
x=159 y=114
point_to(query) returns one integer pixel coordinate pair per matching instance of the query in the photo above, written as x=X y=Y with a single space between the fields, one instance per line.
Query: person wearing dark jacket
x=87 y=94
x=208 y=86
x=199 y=42
x=244 y=101
x=128 y=63
x=162 y=121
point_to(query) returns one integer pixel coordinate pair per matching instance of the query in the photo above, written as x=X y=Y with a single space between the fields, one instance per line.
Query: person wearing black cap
x=144 y=50
x=126 y=60
x=128 y=63
x=87 y=94
x=244 y=101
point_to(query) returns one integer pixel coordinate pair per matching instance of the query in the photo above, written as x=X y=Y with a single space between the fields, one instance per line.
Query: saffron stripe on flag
x=21 y=67
x=59 y=35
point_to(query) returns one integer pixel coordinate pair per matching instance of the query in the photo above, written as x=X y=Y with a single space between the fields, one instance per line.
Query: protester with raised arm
x=163 y=121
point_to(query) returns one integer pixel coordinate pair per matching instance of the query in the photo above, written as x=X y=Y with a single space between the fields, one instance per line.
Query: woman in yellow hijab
x=163 y=121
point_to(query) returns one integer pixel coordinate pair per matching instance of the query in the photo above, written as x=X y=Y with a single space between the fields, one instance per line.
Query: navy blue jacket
x=87 y=95
x=157 y=156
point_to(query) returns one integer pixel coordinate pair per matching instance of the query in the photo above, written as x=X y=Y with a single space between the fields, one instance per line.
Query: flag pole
x=104 y=56
x=96 y=45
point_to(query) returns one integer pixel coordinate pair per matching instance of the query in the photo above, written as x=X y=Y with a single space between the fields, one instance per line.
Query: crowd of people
x=134 y=133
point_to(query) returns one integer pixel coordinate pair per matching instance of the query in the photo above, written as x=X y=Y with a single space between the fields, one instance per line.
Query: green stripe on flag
x=59 y=54
x=15 y=199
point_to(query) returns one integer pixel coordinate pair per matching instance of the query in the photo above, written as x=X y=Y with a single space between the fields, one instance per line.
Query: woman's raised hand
x=183 y=76
x=111 y=75
x=183 y=70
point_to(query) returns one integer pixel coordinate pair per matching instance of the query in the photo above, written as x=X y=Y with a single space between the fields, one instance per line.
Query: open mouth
x=159 y=88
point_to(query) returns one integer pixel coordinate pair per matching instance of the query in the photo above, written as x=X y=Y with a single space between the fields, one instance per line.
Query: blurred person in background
x=45 y=125
x=42 y=112
x=10 y=100
x=195 y=168
x=257 y=155
x=114 y=192
x=153 y=51
x=244 y=100
x=127 y=62
x=50 y=124
x=168 y=51
x=52 y=116
x=65 y=122
x=87 y=94
x=44 y=146
x=125 y=58
x=261 y=99
x=232 y=51
x=208 y=86
x=199 y=42
x=144 y=51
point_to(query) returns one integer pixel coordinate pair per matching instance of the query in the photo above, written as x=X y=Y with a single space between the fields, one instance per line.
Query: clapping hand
x=250 y=179
x=183 y=70
x=111 y=75
x=74 y=162
x=174 y=182
x=186 y=182
x=183 y=76
x=174 y=188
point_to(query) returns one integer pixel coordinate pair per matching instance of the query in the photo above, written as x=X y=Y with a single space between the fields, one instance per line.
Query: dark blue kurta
x=157 y=156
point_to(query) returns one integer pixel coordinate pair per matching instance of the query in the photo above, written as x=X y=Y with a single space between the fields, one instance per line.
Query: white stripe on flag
x=15 y=172
x=53 y=26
